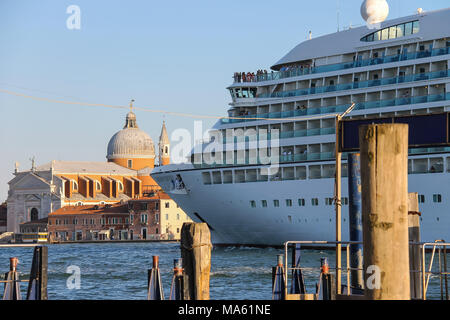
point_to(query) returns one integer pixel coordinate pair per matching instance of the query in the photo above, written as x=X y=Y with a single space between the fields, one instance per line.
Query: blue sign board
x=430 y=130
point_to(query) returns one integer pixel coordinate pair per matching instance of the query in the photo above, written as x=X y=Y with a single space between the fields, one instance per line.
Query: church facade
x=35 y=193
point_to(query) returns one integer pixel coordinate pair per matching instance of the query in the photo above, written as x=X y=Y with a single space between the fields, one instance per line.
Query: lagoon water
x=118 y=271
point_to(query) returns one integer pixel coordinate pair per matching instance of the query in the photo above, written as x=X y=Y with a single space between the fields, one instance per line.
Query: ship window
x=344 y=201
x=408 y=29
x=415 y=27
x=400 y=31
x=393 y=32
x=206 y=177
x=301 y=202
x=329 y=201
x=437 y=198
x=264 y=203
x=315 y=201
x=377 y=36
x=385 y=34
x=276 y=203
x=253 y=204
x=288 y=202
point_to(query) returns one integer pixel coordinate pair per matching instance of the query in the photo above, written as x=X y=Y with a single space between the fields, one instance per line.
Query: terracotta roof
x=160 y=195
x=91 y=209
x=86 y=167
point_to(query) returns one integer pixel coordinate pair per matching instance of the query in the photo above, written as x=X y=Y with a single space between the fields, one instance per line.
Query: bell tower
x=164 y=147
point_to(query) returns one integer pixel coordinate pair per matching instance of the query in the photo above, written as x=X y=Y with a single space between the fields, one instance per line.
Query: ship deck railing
x=317 y=156
x=358 y=85
x=408 y=100
x=429 y=271
x=357 y=63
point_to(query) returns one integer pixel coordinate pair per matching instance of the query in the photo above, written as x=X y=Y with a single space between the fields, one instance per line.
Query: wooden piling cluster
x=37 y=282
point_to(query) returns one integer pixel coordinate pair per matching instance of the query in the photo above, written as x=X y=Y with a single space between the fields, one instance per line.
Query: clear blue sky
x=176 y=55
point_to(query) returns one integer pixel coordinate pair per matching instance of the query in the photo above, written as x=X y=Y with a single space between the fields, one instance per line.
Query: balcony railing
x=352 y=64
x=340 y=108
x=359 y=84
x=317 y=156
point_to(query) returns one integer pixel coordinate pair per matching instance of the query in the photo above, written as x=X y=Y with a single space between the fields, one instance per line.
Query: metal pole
x=355 y=220
x=338 y=210
x=338 y=156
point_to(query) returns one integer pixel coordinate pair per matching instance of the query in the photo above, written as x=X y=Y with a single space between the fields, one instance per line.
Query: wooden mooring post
x=384 y=177
x=37 y=286
x=196 y=254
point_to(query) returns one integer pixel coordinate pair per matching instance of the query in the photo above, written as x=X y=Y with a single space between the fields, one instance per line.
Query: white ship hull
x=227 y=210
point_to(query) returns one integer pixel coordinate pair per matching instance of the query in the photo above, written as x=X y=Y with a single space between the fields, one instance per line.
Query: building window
x=301 y=202
x=156 y=218
x=329 y=201
x=178 y=230
x=34 y=214
x=98 y=186
x=178 y=216
x=120 y=184
x=437 y=198
x=276 y=203
x=344 y=201
x=288 y=202
x=315 y=201
x=253 y=204
x=74 y=185
x=167 y=204
x=130 y=163
x=264 y=203
x=421 y=198
x=167 y=216
x=144 y=218
x=143 y=206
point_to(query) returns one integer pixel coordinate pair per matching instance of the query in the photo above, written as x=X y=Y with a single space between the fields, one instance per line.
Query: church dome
x=131 y=142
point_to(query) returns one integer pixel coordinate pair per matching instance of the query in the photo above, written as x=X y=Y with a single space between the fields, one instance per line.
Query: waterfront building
x=156 y=216
x=34 y=193
x=152 y=217
x=89 y=222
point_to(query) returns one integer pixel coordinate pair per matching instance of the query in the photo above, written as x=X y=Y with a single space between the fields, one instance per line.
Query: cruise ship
x=287 y=116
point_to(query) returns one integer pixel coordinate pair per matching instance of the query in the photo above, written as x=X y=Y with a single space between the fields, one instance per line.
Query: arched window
x=120 y=184
x=98 y=186
x=74 y=185
x=34 y=214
